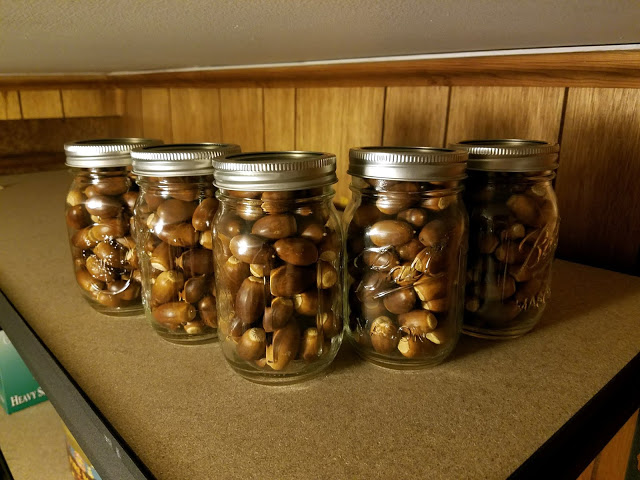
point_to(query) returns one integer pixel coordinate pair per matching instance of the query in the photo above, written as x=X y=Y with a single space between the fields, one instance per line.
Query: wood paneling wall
x=156 y=114
x=538 y=98
x=599 y=131
x=598 y=183
x=10 y=105
x=416 y=116
x=505 y=112
x=335 y=119
x=279 y=119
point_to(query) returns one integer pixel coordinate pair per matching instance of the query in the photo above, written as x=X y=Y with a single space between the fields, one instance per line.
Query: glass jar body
x=99 y=214
x=406 y=252
x=173 y=218
x=278 y=261
x=513 y=236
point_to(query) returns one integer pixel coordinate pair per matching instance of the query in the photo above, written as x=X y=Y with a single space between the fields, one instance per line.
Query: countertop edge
x=570 y=450
x=109 y=453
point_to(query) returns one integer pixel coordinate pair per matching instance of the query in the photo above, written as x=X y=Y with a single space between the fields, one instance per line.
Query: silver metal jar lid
x=407 y=163
x=510 y=155
x=179 y=159
x=273 y=171
x=104 y=152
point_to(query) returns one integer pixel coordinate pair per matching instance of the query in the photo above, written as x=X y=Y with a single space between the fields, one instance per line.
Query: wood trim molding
x=618 y=68
x=8 y=82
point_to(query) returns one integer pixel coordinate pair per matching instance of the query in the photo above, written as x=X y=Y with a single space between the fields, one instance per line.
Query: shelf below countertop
x=185 y=414
x=33 y=443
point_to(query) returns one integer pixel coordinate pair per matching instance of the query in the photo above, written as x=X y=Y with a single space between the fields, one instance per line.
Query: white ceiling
x=65 y=36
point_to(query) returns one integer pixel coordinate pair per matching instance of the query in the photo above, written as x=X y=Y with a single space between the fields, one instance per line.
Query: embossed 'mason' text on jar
x=173 y=218
x=99 y=217
x=406 y=248
x=278 y=261
x=512 y=236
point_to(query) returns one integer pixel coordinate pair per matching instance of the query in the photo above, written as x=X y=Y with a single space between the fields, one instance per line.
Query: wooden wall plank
x=3 y=105
x=587 y=472
x=335 y=119
x=612 y=462
x=156 y=114
x=41 y=104
x=195 y=115
x=91 y=102
x=597 y=185
x=131 y=121
x=415 y=116
x=242 y=114
x=279 y=118
x=505 y=112
x=10 y=105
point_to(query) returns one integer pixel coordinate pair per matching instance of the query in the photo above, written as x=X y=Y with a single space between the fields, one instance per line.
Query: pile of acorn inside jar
x=248 y=248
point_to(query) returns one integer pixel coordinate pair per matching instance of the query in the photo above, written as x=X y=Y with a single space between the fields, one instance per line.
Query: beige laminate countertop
x=186 y=414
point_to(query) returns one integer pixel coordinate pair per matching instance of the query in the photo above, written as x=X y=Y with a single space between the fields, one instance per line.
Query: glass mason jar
x=99 y=212
x=406 y=250
x=173 y=232
x=278 y=262
x=513 y=234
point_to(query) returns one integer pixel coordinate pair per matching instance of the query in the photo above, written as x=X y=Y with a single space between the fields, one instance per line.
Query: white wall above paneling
x=78 y=36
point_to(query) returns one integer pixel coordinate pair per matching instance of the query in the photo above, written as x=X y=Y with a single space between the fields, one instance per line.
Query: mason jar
x=173 y=218
x=513 y=234
x=99 y=214
x=405 y=253
x=278 y=263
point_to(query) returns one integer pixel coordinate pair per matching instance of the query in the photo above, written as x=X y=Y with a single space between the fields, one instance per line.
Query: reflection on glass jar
x=513 y=235
x=173 y=217
x=278 y=262
x=99 y=215
x=406 y=248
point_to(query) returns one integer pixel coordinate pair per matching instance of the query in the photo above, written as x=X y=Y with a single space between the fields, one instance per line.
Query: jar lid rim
x=179 y=159
x=510 y=154
x=407 y=163
x=275 y=170
x=104 y=152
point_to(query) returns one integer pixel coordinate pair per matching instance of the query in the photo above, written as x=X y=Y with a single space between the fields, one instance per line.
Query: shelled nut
x=251 y=249
x=296 y=251
x=167 y=287
x=415 y=216
x=207 y=311
x=194 y=288
x=275 y=227
x=175 y=211
x=384 y=335
x=278 y=314
x=174 y=314
x=249 y=304
x=417 y=322
x=390 y=232
x=179 y=234
x=289 y=280
x=252 y=344
x=412 y=346
x=310 y=345
x=331 y=324
x=284 y=347
x=400 y=301
x=203 y=214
